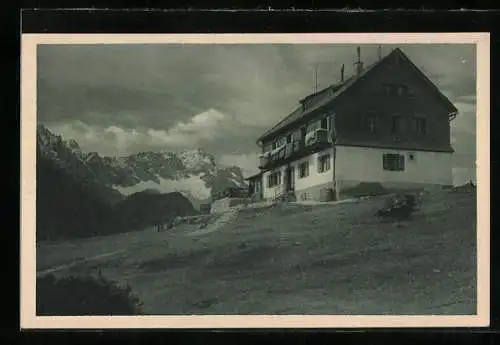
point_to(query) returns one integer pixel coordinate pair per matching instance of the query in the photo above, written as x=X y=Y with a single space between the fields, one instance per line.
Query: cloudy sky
x=120 y=99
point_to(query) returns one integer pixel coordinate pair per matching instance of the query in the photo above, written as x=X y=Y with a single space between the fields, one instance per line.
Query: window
x=394 y=90
x=313 y=126
x=274 y=179
x=419 y=125
x=323 y=163
x=389 y=90
x=371 y=123
x=397 y=124
x=303 y=131
x=289 y=138
x=324 y=122
x=303 y=169
x=279 y=142
x=402 y=90
x=393 y=162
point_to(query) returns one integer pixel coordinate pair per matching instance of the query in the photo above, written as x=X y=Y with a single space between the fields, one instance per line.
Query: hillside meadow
x=294 y=259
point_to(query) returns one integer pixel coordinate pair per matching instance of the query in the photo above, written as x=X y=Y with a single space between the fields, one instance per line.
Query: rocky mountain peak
x=193 y=172
x=197 y=160
x=72 y=144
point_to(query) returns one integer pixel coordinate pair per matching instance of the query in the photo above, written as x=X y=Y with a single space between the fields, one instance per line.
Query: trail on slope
x=76 y=263
x=226 y=218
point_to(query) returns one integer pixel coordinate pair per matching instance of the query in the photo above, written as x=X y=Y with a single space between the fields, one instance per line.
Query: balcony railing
x=319 y=136
x=312 y=142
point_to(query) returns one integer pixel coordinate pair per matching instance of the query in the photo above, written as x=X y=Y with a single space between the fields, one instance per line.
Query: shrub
x=399 y=206
x=84 y=295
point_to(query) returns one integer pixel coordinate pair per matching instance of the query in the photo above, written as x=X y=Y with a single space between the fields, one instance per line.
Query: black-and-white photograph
x=256 y=179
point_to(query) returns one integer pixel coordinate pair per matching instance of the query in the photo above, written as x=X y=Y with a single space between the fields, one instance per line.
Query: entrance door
x=303 y=132
x=291 y=179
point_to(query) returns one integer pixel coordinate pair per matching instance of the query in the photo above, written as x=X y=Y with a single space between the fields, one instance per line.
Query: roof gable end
x=432 y=86
x=333 y=92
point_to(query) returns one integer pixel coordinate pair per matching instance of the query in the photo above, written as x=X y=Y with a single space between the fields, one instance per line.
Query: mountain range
x=193 y=173
x=81 y=194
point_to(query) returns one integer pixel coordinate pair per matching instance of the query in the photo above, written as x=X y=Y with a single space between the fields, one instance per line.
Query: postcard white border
x=29 y=320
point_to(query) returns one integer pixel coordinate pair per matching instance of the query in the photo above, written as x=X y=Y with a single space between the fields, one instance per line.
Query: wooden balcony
x=296 y=150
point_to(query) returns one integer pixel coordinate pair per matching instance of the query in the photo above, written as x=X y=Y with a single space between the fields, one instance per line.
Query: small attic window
x=388 y=90
x=402 y=90
x=395 y=90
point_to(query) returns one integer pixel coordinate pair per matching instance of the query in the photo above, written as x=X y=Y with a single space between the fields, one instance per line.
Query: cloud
x=463 y=132
x=129 y=98
x=199 y=130
x=203 y=127
x=247 y=162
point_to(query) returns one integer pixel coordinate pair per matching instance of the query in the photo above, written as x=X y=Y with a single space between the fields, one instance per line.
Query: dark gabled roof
x=319 y=94
x=331 y=93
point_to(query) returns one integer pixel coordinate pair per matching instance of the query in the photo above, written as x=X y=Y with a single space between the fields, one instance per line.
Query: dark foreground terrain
x=294 y=259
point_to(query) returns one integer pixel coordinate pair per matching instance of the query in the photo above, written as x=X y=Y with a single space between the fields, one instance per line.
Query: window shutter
x=320 y=166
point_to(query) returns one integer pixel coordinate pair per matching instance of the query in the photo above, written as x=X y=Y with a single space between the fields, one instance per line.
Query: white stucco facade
x=363 y=164
x=356 y=164
x=314 y=178
x=271 y=192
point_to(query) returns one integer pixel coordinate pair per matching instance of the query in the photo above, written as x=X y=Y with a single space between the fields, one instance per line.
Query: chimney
x=342 y=73
x=359 y=63
x=379 y=53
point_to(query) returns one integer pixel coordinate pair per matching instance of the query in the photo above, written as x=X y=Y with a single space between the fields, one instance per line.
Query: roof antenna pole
x=316 y=77
x=358 y=63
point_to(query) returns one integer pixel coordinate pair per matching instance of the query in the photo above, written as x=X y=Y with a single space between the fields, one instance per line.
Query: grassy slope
x=335 y=259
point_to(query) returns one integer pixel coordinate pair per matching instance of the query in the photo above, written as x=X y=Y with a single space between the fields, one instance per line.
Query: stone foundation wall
x=223 y=205
x=350 y=188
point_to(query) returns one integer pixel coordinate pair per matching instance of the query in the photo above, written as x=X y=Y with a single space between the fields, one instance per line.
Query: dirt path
x=76 y=263
x=226 y=218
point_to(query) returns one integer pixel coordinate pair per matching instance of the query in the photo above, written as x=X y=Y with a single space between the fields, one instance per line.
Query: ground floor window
x=303 y=169
x=323 y=163
x=393 y=162
x=274 y=179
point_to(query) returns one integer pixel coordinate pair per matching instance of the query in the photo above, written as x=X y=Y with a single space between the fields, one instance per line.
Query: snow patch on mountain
x=197 y=159
x=192 y=186
x=193 y=173
x=236 y=182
